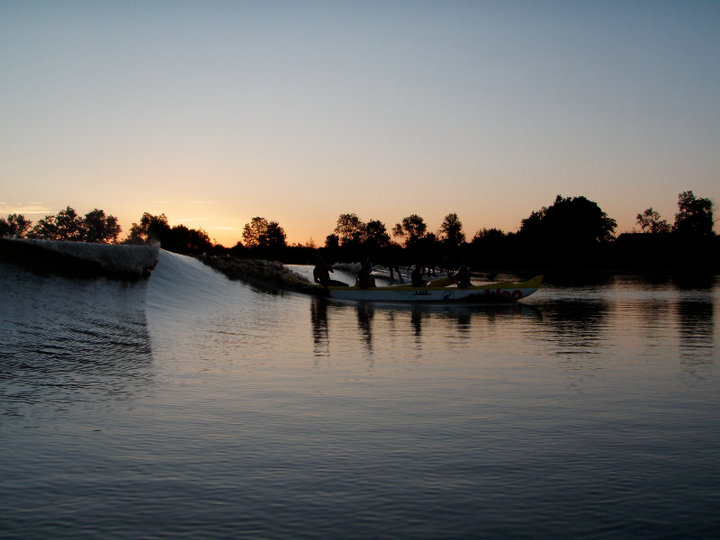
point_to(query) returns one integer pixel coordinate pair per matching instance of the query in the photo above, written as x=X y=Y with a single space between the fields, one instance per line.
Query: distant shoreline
x=641 y=255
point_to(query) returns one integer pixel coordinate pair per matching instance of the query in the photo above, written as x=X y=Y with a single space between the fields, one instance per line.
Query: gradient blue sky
x=214 y=112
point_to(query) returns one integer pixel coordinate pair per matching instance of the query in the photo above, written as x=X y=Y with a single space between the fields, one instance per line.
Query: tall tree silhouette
x=261 y=233
x=411 y=229
x=100 y=228
x=451 y=231
x=651 y=222
x=253 y=230
x=15 y=225
x=273 y=237
x=376 y=235
x=572 y=220
x=695 y=215
x=150 y=229
x=350 y=230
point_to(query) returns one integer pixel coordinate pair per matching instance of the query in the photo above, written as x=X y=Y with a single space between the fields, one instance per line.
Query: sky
x=214 y=112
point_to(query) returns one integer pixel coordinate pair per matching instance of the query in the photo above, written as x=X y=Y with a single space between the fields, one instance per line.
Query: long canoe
x=491 y=292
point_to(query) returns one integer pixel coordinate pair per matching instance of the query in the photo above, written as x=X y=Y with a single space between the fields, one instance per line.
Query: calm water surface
x=190 y=406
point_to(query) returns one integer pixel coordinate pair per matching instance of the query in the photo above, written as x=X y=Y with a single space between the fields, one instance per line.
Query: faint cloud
x=26 y=209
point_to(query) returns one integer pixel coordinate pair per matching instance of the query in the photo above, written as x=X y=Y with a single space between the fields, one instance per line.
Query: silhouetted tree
x=178 y=239
x=488 y=235
x=376 y=235
x=451 y=231
x=350 y=230
x=95 y=227
x=65 y=225
x=263 y=234
x=45 y=229
x=253 y=230
x=150 y=229
x=651 y=222
x=182 y=239
x=14 y=226
x=695 y=216
x=491 y=249
x=69 y=225
x=99 y=228
x=356 y=239
x=332 y=241
x=411 y=229
x=572 y=220
x=273 y=237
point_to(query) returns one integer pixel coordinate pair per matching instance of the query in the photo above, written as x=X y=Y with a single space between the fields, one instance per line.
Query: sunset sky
x=213 y=112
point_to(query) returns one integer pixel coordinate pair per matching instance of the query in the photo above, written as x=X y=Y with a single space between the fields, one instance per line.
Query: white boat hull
x=492 y=293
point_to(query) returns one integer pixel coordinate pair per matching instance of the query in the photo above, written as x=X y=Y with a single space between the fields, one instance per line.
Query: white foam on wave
x=195 y=312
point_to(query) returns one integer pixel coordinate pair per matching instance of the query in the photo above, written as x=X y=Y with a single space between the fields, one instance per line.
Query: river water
x=192 y=406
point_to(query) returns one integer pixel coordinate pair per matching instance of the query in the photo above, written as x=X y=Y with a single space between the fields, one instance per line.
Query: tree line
x=94 y=227
x=570 y=232
x=97 y=227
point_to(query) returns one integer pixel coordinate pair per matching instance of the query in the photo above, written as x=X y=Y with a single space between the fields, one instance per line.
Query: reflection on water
x=697 y=330
x=387 y=320
x=658 y=313
x=65 y=341
x=365 y=315
x=588 y=329
x=416 y=320
x=584 y=412
x=319 y=319
x=576 y=326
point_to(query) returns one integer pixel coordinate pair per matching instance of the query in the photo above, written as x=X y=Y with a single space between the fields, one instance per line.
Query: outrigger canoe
x=488 y=293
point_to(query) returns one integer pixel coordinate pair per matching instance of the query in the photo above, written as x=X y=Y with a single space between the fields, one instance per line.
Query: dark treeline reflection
x=694 y=313
x=575 y=325
x=682 y=281
x=696 y=318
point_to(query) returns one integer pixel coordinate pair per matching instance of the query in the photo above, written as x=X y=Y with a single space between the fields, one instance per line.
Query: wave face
x=194 y=312
x=65 y=340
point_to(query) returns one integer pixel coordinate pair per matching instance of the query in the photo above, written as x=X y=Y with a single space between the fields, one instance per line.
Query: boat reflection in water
x=319 y=318
x=391 y=320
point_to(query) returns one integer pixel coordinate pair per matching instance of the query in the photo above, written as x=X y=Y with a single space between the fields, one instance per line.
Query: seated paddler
x=365 y=280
